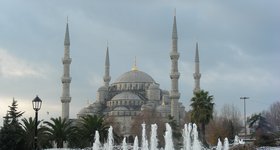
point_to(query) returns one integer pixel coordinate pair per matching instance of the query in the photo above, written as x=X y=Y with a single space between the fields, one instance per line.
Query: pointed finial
x=67 y=38
x=134 y=68
x=196 y=53
x=174 y=11
x=107 y=60
x=174 y=31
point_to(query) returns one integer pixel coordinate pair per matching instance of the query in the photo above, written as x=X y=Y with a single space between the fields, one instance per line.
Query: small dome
x=126 y=96
x=103 y=88
x=135 y=76
x=90 y=109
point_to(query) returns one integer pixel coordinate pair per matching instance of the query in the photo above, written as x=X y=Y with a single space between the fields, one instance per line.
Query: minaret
x=107 y=77
x=66 y=79
x=174 y=75
x=196 y=74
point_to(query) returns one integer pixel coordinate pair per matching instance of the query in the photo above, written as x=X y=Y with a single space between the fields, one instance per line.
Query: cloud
x=12 y=66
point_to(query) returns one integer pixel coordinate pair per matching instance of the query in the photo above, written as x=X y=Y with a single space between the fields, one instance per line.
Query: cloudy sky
x=238 y=40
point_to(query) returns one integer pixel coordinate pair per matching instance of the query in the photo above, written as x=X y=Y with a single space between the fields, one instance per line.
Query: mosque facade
x=132 y=93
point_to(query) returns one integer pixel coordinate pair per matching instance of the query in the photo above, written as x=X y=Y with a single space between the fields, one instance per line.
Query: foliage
x=273 y=115
x=10 y=138
x=176 y=131
x=87 y=127
x=263 y=130
x=28 y=132
x=230 y=118
x=202 y=111
x=60 y=130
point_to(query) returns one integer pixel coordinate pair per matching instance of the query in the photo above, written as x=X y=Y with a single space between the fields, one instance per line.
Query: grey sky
x=239 y=45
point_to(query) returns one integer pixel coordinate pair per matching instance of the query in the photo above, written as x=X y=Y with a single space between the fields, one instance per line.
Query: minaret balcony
x=107 y=78
x=174 y=55
x=66 y=79
x=174 y=95
x=66 y=60
x=196 y=75
x=174 y=75
x=65 y=99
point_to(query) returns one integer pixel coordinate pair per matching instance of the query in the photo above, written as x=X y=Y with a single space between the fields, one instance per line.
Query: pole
x=245 y=120
x=36 y=124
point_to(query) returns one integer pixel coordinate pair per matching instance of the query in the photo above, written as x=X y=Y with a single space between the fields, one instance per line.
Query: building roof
x=126 y=96
x=135 y=76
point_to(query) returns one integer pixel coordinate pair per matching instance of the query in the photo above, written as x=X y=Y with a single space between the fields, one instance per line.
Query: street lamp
x=36 y=103
x=245 y=120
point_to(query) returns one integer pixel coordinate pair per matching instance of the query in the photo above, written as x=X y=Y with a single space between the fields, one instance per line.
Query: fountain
x=190 y=141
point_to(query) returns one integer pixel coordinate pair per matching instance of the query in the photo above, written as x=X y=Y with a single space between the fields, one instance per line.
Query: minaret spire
x=134 y=67
x=196 y=74
x=174 y=75
x=66 y=79
x=107 y=77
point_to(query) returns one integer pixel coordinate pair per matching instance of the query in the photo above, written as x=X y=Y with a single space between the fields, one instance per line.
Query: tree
x=88 y=125
x=176 y=131
x=10 y=138
x=273 y=115
x=202 y=111
x=60 y=130
x=28 y=132
x=263 y=128
x=149 y=117
x=230 y=116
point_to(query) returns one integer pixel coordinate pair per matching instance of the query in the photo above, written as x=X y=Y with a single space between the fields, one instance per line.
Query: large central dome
x=135 y=76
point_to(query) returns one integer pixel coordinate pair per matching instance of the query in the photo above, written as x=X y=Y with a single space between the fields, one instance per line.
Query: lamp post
x=245 y=120
x=36 y=103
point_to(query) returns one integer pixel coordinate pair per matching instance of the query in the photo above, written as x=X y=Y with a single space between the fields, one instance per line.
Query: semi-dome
x=135 y=76
x=126 y=96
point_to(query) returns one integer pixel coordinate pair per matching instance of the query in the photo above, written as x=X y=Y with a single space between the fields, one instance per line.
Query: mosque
x=133 y=92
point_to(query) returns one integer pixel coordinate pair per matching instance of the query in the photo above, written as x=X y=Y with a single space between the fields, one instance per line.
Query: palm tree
x=202 y=111
x=88 y=125
x=60 y=130
x=28 y=132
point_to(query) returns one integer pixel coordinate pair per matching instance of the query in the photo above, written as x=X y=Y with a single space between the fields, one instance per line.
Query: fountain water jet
x=168 y=138
x=135 y=144
x=226 y=144
x=110 y=141
x=153 y=140
x=96 y=144
x=187 y=136
x=196 y=143
x=219 y=145
x=124 y=145
x=144 y=138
